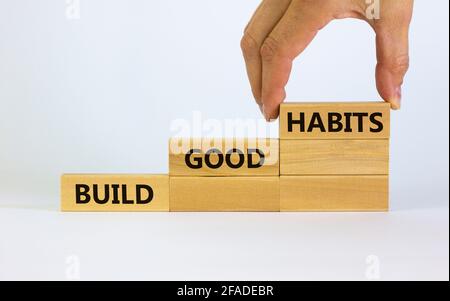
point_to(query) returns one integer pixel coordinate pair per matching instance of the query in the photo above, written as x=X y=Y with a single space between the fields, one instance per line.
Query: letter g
x=195 y=163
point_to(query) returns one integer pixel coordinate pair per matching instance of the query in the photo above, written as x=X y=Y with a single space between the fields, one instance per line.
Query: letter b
x=334 y=122
x=82 y=190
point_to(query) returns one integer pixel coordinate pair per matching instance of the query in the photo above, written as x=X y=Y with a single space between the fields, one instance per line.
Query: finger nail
x=396 y=102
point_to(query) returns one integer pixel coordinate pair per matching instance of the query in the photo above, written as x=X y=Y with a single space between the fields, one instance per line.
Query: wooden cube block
x=114 y=192
x=223 y=157
x=334 y=193
x=348 y=120
x=334 y=157
x=224 y=194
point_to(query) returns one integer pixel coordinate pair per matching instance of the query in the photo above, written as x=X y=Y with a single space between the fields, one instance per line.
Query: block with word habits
x=114 y=192
x=334 y=193
x=223 y=157
x=334 y=157
x=340 y=120
x=224 y=194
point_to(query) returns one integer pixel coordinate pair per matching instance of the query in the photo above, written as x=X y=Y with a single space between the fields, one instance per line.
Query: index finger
x=261 y=25
x=290 y=37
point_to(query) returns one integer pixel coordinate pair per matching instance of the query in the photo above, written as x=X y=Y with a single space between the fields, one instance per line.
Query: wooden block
x=114 y=192
x=334 y=193
x=334 y=157
x=223 y=157
x=348 y=120
x=224 y=194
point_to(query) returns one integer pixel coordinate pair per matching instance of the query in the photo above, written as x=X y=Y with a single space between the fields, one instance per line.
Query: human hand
x=280 y=30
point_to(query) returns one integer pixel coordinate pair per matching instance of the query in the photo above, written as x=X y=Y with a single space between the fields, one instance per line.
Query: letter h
x=300 y=122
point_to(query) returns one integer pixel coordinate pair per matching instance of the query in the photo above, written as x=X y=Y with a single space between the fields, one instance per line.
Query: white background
x=98 y=94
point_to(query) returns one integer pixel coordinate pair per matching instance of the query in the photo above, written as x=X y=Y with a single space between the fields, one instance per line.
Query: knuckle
x=396 y=65
x=269 y=49
x=400 y=64
x=249 y=46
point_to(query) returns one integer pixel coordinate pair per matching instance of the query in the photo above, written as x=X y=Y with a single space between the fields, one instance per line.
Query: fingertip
x=270 y=113
x=395 y=105
x=396 y=99
x=389 y=88
x=393 y=96
x=395 y=102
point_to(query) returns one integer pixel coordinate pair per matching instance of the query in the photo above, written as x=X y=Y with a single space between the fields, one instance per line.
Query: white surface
x=41 y=243
x=98 y=94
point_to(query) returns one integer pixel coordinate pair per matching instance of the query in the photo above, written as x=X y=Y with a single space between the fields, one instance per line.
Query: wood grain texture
x=334 y=193
x=203 y=194
x=237 y=164
x=119 y=193
x=317 y=123
x=334 y=157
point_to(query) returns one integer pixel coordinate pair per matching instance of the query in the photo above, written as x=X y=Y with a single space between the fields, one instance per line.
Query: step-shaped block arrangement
x=334 y=156
x=330 y=157
x=109 y=193
x=213 y=174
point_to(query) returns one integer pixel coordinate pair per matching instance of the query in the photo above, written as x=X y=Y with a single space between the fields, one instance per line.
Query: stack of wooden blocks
x=330 y=157
x=334 y=157
x=224 y=175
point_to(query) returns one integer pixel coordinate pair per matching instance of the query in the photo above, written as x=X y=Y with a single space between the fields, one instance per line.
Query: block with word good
x=340 y=120
x=224 y=194
x=334 y=157
x=334 y=193
x=114 y=192
x=223 y=157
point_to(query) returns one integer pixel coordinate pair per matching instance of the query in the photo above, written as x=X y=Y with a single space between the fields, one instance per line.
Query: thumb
x=393 y=60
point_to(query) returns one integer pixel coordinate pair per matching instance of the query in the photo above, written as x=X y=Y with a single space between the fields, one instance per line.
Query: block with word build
x=204 y=194
x=334 y=193
x=223 y=157
x=119 y=193
x=340 y=120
